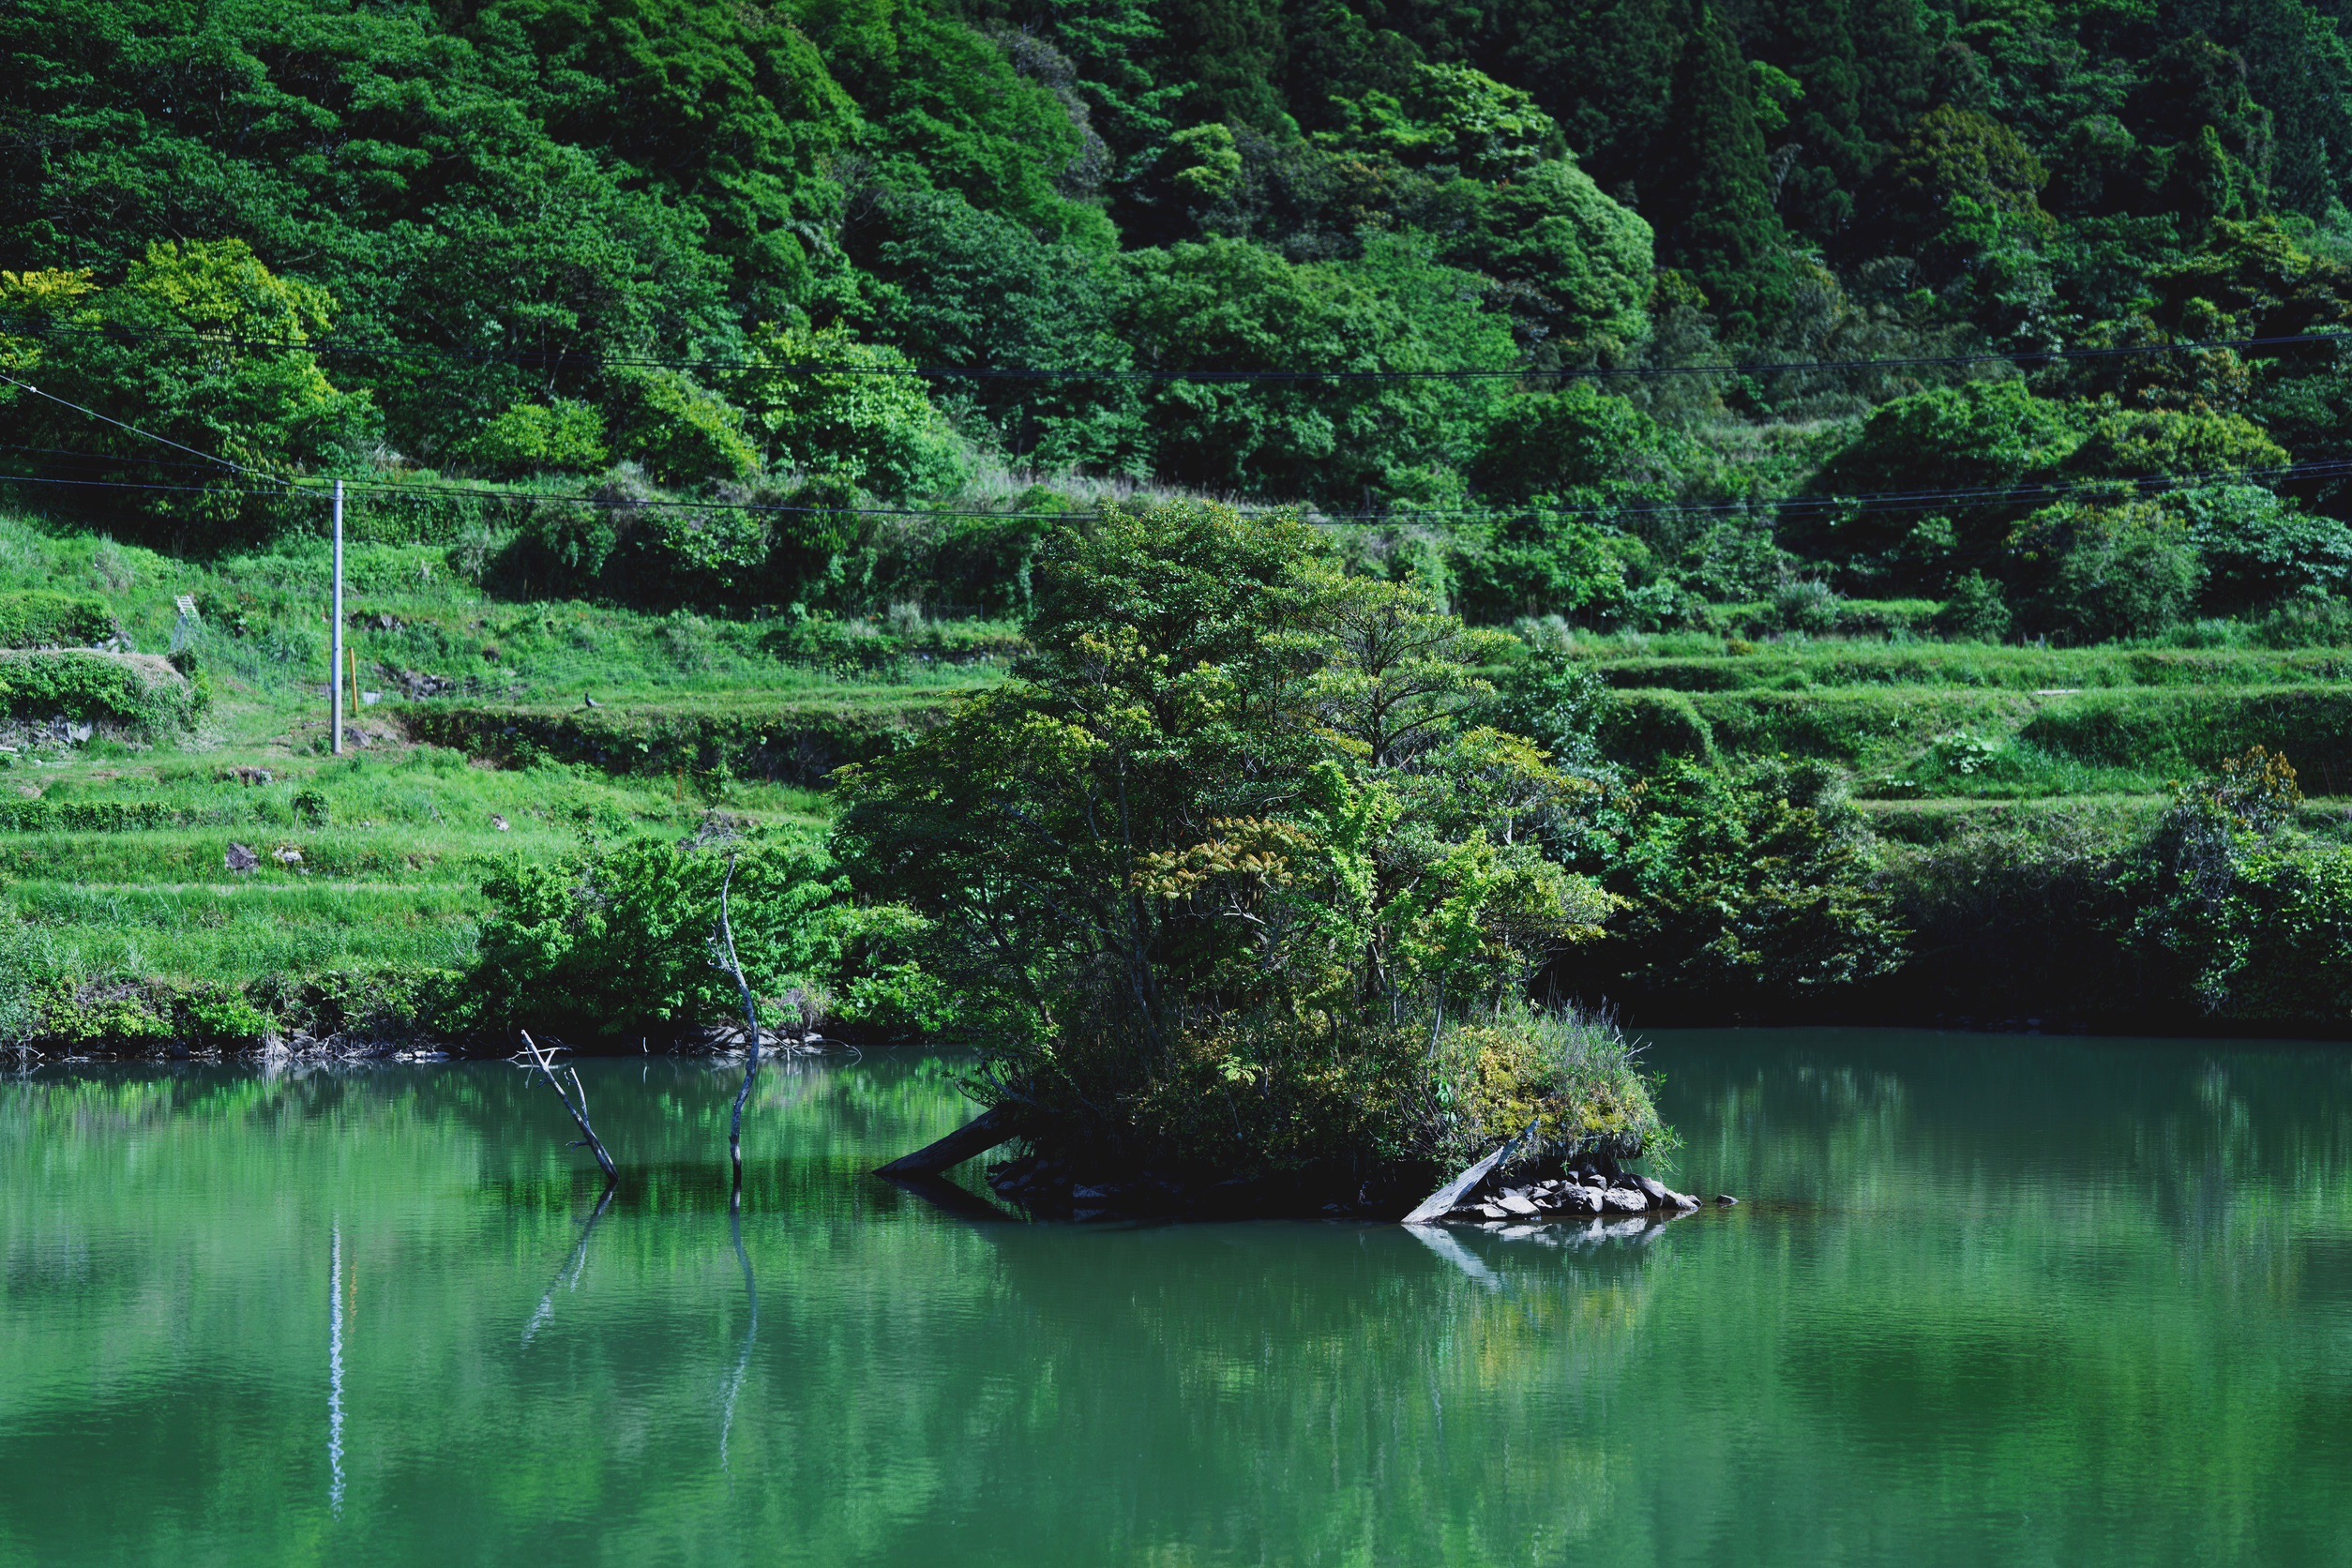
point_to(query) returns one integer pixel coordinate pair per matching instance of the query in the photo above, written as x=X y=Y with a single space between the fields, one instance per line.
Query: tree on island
x=1239 y=886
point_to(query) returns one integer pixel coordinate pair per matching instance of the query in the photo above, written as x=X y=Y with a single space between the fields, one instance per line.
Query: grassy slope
x=116 y=848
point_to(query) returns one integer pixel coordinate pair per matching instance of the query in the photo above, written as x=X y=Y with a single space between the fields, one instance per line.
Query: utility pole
x=335 y=658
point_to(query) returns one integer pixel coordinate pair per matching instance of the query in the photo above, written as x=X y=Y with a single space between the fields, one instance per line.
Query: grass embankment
x=113 y=837
x=1967 y=723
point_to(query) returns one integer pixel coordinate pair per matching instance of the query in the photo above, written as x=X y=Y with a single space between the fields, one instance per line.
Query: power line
x=550 y=358
x=109 y=419
x=1883 y=500
x=1925 y=499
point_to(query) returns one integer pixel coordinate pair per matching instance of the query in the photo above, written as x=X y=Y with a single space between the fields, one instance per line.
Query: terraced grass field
x=1958 y=722
x=485 y=731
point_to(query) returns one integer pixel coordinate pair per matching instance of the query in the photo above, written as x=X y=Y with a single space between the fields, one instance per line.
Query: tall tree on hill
x=1602 y=69
x=1231 y=52
x=2298 y=67
x=1710 y=198
x=1864 y=67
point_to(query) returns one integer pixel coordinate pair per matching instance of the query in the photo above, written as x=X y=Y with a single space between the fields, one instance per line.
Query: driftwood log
x=1449 y=1197
x=977 y=1137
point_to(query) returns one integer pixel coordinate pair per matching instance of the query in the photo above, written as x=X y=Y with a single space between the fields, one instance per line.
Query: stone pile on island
x=1578 y=1195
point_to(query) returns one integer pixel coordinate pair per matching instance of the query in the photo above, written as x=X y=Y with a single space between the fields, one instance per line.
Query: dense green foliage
x=1227 y=867
x=724 y=388
x=614 y=258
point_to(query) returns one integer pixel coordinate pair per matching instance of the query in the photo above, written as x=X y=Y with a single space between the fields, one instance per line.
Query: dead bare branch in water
x=751 y=1020
x=576 y=1101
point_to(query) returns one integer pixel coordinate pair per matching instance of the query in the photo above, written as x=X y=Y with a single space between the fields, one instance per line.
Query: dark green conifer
x=1710 y=197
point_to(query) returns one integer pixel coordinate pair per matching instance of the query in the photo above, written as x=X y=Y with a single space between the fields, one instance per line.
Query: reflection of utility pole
x=334 y=654
x=334 y=1374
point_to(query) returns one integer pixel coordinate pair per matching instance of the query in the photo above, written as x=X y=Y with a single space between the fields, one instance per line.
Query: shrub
x=797 y=742
x=613 y=941
x=2232 y=912
x=215 y=1016
x=140 y=690
x=1565 y=1080
x=2111 y=572
x=2260 y=549
x=1976 y=610
x=1806 y=605
x=1743 y=891
x=1533 y=563
x=707 y=556
x=1642 y=729
x=25 y=968
x=541 y=438
x=49 y=620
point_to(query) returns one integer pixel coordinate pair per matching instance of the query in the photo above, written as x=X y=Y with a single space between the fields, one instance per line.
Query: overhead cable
x=1922 y=500
x=544 y=358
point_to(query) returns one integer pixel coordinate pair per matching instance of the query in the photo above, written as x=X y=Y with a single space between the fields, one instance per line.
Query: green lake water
x=1988 y=1301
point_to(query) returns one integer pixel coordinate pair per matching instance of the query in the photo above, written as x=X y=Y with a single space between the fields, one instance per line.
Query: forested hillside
x=677 y=300
x=1909 y=444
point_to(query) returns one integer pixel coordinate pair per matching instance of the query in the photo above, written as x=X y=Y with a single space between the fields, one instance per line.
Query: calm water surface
x=1989 y=1301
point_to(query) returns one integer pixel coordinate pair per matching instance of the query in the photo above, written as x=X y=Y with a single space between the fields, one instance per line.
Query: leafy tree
x=2173 y=443
x=1226 y=855
x=946 y=109
x=1984 y=436
x=1964 y=187
x=729 y=109
x=1550 y=444
x=1575 y=267
x=2228 y=911
x=1450 y=117
x=186 y=347
x=848 y=416
x=1227 y=53
x=679 y=431
x=500 y=264
x=536 y=438
x=1225 y=305
x=951 y=285
x=1604 y=71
